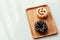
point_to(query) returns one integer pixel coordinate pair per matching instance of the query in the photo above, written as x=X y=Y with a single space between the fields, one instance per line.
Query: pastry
x=41 y=27
x=42 y=12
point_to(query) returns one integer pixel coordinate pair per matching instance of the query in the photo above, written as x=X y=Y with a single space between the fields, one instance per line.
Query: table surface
x=13 y=20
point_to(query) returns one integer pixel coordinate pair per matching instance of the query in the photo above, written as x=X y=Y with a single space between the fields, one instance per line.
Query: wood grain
x=32 y=19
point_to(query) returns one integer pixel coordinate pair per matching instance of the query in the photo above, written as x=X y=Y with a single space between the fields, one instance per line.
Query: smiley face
x=42 y=12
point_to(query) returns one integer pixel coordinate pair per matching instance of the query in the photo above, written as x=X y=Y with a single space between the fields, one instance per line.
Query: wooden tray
x=32 y=18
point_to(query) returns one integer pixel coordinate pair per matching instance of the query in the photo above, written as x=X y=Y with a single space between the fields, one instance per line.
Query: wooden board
x=32 y=18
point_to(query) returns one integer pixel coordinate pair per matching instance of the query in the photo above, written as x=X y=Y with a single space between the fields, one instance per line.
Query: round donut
x=41 y=27
x=42 y=12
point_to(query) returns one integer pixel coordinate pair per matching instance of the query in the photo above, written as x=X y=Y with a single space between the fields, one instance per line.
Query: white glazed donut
x=42 y=12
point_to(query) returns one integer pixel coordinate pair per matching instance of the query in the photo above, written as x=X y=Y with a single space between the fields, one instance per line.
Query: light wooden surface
x=32 y=18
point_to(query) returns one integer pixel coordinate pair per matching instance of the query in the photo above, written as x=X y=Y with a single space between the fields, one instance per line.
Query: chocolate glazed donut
x=41 y=27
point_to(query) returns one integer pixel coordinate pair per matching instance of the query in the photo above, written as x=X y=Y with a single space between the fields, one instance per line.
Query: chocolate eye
x=41 y=27
x=44 y=11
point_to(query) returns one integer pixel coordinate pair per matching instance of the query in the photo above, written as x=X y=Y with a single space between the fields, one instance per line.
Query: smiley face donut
x=42 y=12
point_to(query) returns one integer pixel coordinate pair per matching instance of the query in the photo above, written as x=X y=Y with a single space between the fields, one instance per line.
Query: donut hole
x=41 y=27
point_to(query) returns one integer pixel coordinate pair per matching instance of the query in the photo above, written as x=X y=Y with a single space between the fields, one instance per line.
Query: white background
x=13 y=21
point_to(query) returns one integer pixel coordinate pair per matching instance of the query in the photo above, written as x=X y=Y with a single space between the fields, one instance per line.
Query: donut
x=41 y=27
x=42 y=12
